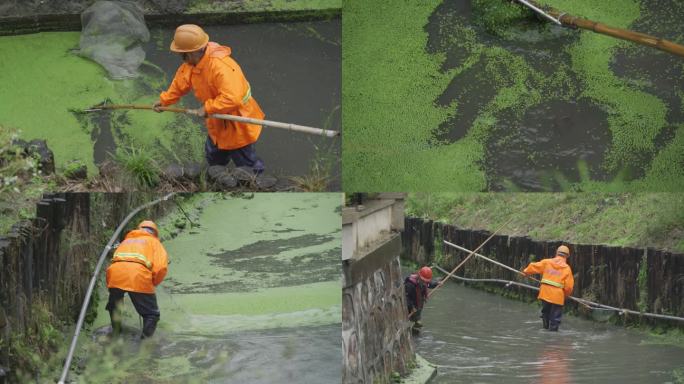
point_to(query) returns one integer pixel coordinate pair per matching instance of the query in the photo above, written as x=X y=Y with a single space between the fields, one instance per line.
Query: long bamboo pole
x=249 y=120
x=624 y=34
x=462 y=262
x=469 y=256
x=580 y=301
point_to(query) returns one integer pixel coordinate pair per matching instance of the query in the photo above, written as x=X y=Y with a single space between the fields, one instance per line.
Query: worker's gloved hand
x=156 y=106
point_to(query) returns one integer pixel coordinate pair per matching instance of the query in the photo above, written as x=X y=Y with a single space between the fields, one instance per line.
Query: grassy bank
x=625 y=219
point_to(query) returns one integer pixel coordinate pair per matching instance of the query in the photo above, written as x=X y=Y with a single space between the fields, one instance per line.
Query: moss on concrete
x=421 y=373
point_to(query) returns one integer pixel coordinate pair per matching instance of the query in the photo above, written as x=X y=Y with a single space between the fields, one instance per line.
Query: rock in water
x=45 y=156
x=216 y=171
x=174 y=171
x=265 y=181
x=192 y=171
x=244 y=174
x=227 y=181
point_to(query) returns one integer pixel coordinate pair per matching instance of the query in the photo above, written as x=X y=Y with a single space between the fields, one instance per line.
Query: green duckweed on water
x=456 y=96
x=236 y=323
x=48 y=81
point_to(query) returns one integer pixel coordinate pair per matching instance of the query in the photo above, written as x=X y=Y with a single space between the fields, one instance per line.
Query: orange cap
x=563 y=251
x=189 y=38
x=149 y=224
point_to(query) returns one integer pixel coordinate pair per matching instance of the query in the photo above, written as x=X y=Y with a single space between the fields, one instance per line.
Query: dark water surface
x=478 y=337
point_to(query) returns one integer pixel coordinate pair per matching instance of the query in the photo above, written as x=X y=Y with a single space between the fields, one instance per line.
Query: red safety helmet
x=425 y=274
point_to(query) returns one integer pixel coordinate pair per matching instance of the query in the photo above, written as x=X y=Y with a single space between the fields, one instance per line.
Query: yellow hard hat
x=149 y=224
x=563 y=251
x=189 y=38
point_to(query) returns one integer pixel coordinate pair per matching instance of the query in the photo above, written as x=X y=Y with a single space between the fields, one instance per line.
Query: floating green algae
x=29 y=102
x=242 y=331
x=389 y=84
x=490 y=79
x=48 y=82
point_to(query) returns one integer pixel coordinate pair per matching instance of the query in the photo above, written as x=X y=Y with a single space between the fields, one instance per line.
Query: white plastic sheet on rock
x=112 y=35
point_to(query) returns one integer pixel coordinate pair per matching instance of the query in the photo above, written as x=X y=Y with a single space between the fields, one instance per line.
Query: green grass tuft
x=140 y=165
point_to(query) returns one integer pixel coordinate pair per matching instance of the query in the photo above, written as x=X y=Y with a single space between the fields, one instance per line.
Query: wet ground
x=478 y=337
x=515 y=104
x=231 y=315
x=293 y=68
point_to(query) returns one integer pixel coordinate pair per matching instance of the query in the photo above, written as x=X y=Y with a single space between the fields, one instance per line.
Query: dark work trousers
x=145 y=304
x=242 y=157
x=551 y=315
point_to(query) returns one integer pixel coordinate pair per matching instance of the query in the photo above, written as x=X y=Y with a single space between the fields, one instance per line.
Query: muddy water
x=478 y=337
x=235 y=306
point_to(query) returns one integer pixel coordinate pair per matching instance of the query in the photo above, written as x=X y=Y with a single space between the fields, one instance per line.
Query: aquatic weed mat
x=293 y=68
x=224 y=321
x=437 y=97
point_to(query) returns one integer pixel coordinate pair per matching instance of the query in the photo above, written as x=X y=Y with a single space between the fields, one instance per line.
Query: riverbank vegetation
x=619 y=219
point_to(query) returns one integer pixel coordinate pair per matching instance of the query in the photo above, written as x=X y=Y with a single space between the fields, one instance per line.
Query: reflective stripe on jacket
x=139 y=263
x=557 y=280
x=218 y=82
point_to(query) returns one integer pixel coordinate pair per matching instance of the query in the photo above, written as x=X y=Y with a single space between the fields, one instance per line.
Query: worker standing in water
x=139 y=265
x=556 y=284
x=416 y=287
x=218 y=82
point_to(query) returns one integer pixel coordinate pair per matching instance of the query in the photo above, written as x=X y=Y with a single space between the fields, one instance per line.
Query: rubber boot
x=115 y=318
x=149 y=326
x=545 y=323
x=553 y=328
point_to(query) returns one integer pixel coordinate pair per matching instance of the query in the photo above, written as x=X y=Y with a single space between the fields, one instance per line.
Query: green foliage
x=320 y=167
x=73 y=167
x=21 y=181
x=140 y=165
x=35 y=349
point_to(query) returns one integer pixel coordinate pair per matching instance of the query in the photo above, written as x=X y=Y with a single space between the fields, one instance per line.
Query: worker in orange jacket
x=139 y=264
x=556 y=284
x=218 y=82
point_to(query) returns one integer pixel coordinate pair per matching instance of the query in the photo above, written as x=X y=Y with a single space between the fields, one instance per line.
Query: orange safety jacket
x=557 y=280
x=139 y=264
x=218 y=82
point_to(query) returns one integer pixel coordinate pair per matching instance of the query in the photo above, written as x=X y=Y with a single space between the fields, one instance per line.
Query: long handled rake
x=275 y=124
